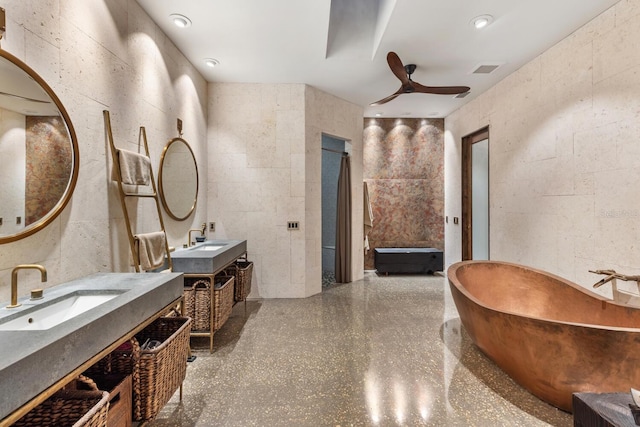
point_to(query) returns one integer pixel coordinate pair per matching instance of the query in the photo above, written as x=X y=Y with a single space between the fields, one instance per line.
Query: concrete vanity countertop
x=196 y=260
x=31 y=361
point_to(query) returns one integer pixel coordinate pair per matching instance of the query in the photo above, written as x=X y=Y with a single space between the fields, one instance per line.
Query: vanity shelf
x=47 y=360
x=12 y=418
x=210 y=306
x=208 y=300
x=201 y=264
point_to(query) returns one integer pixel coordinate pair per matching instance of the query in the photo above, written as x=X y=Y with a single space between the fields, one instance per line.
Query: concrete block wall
x=99 y=55
x=264 y=169
x=564 y=154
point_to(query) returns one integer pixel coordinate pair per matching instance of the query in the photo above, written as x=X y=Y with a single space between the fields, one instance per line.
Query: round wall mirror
x=38 y=151
x=178 y=179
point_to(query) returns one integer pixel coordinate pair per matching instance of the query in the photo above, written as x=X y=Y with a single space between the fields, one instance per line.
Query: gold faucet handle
x=14 y=280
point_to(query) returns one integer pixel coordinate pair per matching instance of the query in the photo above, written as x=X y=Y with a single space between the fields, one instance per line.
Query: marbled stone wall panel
x=48 y=163
x=403 y=149
x=403 y=167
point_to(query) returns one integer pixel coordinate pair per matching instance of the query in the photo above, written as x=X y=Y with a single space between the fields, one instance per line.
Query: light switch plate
x=293 y=225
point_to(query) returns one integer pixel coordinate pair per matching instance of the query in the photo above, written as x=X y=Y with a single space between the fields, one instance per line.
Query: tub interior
x=532 y=293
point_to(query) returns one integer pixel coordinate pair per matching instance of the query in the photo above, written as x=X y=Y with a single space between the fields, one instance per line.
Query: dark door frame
x=467 y=214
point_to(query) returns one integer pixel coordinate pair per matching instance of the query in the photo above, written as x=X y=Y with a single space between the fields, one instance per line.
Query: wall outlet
x=293 y=225
x=212 y=226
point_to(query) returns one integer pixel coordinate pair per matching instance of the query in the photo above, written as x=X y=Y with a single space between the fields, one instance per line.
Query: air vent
x=462 y=95
x=485 y=68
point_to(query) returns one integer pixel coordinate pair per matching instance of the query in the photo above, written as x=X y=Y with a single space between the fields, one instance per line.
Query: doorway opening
x=475 y=195
x=333 y=150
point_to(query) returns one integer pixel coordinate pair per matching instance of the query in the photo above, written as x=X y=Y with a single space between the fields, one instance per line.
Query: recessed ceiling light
x=211 y=62
x=378 y=114
x=180 y=21
x=481 y=21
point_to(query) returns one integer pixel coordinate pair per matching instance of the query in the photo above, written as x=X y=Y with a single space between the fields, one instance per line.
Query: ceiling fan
x=403 y=72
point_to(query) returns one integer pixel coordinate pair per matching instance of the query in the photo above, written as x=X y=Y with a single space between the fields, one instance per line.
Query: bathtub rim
x=452 y=277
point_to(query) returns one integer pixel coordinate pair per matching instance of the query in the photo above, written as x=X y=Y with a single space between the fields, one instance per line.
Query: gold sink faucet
x=14 y=281
x=201 y=230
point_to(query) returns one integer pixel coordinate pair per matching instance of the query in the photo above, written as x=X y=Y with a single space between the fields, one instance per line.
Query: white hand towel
x=135 y=169
x=151 y=249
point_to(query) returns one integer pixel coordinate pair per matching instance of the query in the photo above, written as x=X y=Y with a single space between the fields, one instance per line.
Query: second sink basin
x=210 y=247
x=49 y=314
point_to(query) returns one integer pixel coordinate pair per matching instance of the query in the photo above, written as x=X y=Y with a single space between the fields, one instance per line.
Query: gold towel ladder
x=124 y=194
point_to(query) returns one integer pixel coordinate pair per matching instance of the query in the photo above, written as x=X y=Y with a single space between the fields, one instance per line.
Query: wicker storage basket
x=222 y=300
x=120 y=393
x=201 y=305
x=243 y=273
x=156 y=374
x=86 y=408
x=163 y=369
x=189 y=298
x=123 y=360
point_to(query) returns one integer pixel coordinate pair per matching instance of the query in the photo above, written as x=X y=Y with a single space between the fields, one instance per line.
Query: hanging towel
x=368 y=217
x=151 y=249
x=135 y=169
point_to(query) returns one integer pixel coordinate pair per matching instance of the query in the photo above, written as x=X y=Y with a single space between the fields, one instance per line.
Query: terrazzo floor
x=382 y=351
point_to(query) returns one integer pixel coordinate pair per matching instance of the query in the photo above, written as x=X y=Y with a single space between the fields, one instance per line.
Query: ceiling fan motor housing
x=410 y=68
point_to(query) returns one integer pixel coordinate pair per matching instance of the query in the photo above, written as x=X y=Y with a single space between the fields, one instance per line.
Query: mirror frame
x=161 y=188
x=66 y=196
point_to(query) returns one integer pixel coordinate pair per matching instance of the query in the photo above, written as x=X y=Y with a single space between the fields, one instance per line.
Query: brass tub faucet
x=14 y=281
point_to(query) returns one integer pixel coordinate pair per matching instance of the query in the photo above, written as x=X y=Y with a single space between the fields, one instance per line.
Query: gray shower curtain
x=343 y=223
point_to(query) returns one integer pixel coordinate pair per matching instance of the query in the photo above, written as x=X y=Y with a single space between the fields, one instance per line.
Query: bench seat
x=408 y=260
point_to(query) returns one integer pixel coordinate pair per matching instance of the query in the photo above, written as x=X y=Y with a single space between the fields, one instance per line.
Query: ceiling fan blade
x=387 y=99
x=397 y=68
x=441 y=90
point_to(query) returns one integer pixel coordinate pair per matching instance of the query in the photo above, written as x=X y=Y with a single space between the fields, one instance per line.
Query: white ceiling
x=19 y=92
x=340 y=46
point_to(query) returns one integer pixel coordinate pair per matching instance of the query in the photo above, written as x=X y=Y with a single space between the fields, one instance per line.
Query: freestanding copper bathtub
x=551 y=336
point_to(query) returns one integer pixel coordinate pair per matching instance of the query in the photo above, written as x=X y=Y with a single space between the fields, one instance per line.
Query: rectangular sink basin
x=209 y=247
x=47 y=315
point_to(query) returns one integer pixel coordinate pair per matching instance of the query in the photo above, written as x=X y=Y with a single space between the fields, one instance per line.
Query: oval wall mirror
x=178 y=179
x=38 y=151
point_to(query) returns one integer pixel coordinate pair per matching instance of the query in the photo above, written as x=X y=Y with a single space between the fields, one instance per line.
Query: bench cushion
x=408 y=260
